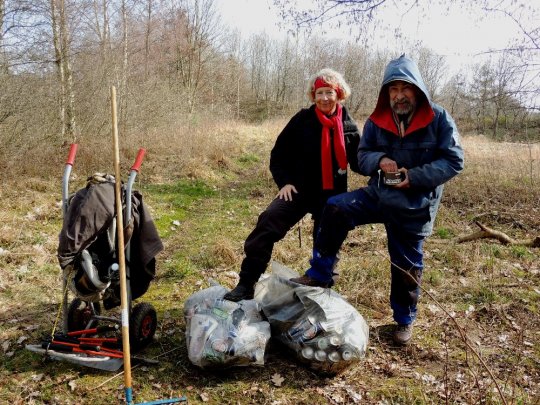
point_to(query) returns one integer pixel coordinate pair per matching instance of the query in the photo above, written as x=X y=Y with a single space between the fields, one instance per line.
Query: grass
x=204 y=207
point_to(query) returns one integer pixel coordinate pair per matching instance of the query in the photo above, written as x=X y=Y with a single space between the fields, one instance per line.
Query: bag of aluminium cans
x=319 y=325
x=221 y=333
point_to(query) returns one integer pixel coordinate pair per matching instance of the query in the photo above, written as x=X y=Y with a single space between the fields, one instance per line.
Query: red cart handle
x=138 y=160
x=72 y=152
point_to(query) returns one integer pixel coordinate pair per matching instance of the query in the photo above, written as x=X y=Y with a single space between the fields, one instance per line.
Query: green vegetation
x=444 y=233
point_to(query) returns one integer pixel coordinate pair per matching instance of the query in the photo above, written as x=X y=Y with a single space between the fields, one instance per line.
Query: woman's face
x=326 y=99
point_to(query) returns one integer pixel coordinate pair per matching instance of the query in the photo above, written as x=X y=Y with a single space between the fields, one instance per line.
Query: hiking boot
x=403 y=334
x=240 y=292
x=310 y=282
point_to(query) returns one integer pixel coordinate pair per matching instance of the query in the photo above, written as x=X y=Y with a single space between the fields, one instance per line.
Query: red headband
x=320 y=82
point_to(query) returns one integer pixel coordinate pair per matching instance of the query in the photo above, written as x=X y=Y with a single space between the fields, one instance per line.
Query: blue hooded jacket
x=429 y=149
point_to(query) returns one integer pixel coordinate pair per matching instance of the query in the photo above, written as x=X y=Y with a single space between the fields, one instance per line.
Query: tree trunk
x=65 y=76
x=123 y=82
x=496 y=123
x=102 y=28
x=4 y=69
x=60 y=67
x=147 y=37
x=71 y=128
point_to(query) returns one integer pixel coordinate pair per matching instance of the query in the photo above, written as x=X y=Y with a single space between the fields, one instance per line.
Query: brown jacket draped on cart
x=87 y=225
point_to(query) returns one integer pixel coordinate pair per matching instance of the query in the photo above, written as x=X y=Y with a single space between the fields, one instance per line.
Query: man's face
x=402 y=97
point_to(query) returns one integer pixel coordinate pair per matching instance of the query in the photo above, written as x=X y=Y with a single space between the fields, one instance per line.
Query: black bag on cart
x=87 y=250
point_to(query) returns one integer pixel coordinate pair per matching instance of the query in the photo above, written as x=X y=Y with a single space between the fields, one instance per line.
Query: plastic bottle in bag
x=202 y=326
x=223 y=309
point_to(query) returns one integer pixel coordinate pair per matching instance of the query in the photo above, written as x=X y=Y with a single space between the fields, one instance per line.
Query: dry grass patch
x=213 y=180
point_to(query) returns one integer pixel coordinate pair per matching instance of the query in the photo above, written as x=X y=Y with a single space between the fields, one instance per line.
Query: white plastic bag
x=325 y=331
x=221 y=333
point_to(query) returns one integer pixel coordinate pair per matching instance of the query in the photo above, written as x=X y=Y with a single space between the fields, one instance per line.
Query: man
x=415 y=144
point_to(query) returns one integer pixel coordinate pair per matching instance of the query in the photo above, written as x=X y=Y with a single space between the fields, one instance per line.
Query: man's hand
x=388 y=165
x=405 y=183
x=286 y=192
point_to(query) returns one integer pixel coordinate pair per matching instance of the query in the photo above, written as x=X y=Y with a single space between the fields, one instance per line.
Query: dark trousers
x=346 y=211
x=272 y=226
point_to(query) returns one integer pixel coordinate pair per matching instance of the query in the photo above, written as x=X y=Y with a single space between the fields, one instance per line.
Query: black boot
x=250 y=272
x=243 y=291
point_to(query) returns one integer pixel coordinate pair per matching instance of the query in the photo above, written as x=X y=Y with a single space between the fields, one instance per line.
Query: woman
x=309 y=165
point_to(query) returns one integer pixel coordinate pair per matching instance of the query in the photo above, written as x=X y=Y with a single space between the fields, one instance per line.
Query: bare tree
x=363 y=72
x=99 y=24
x=259 y=56
x=195 y=32
x=3 y=58
x=504 y=76
x=147 y=35
x=65 y=76
x=124 y=70
x=481 y=92
x=433 y=68
x=309 y=14
x=523 y=53
x=361 y=15
x=453 y=95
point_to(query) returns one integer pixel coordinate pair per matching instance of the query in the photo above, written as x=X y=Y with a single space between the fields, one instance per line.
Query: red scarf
x=334 y=122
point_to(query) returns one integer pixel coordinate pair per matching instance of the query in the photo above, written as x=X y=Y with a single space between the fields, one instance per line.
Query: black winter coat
x=296 y=156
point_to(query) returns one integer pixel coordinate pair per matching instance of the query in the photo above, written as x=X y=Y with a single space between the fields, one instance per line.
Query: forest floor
x=476 y=340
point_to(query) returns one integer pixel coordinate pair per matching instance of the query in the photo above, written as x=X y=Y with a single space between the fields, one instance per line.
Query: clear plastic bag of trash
x=221 y=333
x=317 y=324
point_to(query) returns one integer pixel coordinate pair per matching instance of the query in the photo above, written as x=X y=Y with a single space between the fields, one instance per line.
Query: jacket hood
x=404 y=69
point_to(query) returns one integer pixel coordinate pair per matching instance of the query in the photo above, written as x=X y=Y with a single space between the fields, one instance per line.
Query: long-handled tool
x=122 y=263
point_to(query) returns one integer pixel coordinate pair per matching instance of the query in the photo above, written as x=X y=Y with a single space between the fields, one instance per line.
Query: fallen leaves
x=37 y=377
x=340 y=392
x=277 y=380
x=72 y=385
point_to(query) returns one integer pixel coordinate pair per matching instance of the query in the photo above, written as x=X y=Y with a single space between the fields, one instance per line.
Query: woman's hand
x=286 y=192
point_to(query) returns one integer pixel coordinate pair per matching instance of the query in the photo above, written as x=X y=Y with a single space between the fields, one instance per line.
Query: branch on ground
x=488 y=233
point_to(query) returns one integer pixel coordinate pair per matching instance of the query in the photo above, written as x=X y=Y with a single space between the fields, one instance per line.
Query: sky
x=457 y=34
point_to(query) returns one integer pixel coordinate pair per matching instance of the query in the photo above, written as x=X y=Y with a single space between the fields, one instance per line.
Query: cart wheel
x=142 y=325
x=80 y=313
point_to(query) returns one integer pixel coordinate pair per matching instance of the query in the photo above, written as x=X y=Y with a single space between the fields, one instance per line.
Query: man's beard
x=405 y=107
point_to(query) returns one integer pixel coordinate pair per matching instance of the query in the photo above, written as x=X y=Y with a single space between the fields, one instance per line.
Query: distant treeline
x=174 y=62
